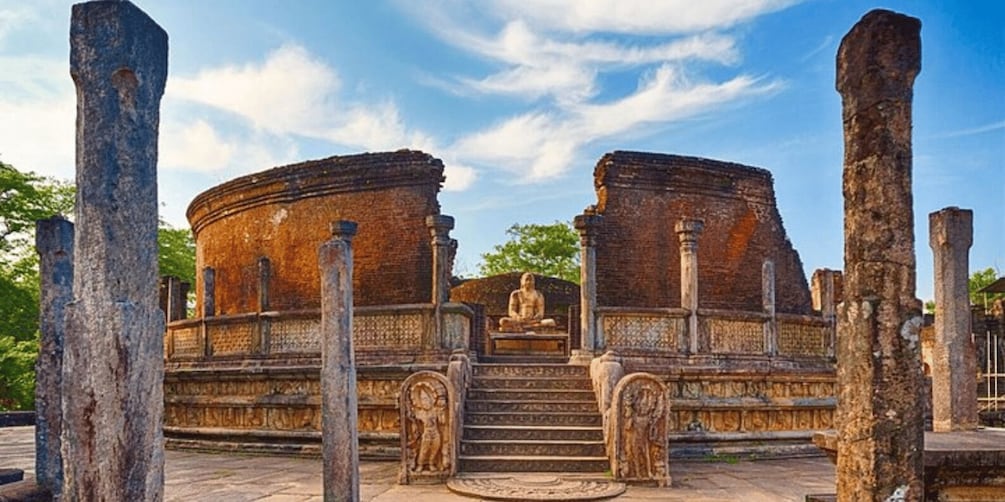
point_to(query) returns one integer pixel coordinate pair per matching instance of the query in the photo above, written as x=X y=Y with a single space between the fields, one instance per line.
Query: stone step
x=526 y=406
x=523 y=359
x=502 y=463
x=536 y=418
x=491 y=394
x=500 y=382
x=534 y=432
x=534 y=448
x=531 y=370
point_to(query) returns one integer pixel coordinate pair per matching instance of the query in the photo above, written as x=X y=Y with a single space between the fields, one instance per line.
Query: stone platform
x=958 y=465
x=194 y=477
x=529 y=343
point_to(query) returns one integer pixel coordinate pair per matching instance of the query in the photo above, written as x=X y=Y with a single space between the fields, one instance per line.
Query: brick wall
x=642 y=195
x=284 y=214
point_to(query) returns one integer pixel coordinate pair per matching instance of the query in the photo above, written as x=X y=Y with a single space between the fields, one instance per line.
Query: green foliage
x=24 y=198
x=977 y=281
x=980 y=279
x=176 y=252
x=17 y=373
x=550 y=250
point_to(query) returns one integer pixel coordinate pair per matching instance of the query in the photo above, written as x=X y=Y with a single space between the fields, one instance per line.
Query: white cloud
x=636 y=16
x=38 y=110
x=195 y=146
x=539 y=146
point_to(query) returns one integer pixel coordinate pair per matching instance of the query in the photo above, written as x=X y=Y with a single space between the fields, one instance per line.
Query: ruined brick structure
x=642 y=195
x=283 y=214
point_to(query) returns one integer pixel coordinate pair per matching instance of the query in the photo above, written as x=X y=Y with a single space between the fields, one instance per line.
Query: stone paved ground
x=225 y=477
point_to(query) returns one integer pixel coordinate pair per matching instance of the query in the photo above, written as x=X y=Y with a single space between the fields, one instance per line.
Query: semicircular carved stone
x=427 y=432
x=640 y=411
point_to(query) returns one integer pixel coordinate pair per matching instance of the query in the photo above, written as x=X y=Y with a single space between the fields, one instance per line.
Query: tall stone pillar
x=589 y=344
x=768 y=304
x=54 y=243
x=439 y=231
x=339 y=436
x=825 y=287
x=113 y=359
x=688 y=230
x=879 y=415
x=954 y=358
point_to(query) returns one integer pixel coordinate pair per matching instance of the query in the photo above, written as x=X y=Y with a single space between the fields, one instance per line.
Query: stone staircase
x=532 y=417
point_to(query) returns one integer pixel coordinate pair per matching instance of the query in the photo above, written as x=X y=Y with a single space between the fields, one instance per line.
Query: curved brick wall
x=642 y=195
x=284 y=214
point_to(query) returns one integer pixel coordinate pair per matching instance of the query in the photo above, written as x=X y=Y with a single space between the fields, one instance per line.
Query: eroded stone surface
x=112 y=442
x=54 y=242
x=339 y=433
x=954 y=359
x=534 y=487
x=879 y=364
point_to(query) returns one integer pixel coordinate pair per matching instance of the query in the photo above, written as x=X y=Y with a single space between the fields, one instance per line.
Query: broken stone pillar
x=954 y=358
x=825 y=288
x=768 y=304
x=439 y=231
x=879 y=414
x=172 y=298
x=688 y=230
x=587 y=224
x=113 y=359
x=339 y=440
x=54 y=243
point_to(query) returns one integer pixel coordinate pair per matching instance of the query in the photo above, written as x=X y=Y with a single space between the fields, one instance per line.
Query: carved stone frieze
x=399 y=330
x=641 y=450
x=802 y=339
x=186 y=342
x=428 y=445
x=293 y=336
x=643 y=331
x=232 y=338
x=737 y=337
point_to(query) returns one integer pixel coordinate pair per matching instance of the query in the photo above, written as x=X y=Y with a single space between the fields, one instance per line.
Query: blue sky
x=520 y=98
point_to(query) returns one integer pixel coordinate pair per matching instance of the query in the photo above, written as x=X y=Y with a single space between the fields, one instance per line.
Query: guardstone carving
x=427 y=432
x=640 y=411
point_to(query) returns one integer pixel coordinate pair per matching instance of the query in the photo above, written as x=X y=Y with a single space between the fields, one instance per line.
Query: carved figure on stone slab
x=426 y=437
x=526 y=308
x=640 y=426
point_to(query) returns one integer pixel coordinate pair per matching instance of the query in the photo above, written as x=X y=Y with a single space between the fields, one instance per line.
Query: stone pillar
x=208 y=292
x=589 y=344
x=826 y=288
x=113 y=359
x=768 y=303
x=954 y=358
x=54 y=243
x=688 y=230
x=339 y=436
x=879 y=414
x=172 y=298
x=439 y=231
x=264 y=277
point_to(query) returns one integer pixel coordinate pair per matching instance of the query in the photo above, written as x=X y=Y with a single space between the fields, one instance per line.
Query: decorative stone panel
x=653 y=332
x=428 y=445
x=641 y=450
x=737 y=337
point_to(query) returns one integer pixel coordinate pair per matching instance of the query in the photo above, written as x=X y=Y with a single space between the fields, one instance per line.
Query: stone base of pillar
x=581 y=357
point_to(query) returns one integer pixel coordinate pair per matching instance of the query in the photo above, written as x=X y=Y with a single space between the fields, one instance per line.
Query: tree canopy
x=24 y=198
x=550 y=250
x=978 y=280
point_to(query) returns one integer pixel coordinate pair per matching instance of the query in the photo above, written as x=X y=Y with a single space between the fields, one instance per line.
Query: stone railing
x=408 y=328
x=665 y=330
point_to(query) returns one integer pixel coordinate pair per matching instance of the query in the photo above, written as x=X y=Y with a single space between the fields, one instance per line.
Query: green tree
x=977 y=281
x=176 y=252
x=24 y=198
x=981 y=279
x=550 y=250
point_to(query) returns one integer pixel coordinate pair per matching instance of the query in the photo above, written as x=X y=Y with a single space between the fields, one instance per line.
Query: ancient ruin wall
x=642 y=195
x=285 y=213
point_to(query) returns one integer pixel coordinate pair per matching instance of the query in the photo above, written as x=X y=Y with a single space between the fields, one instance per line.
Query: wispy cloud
x=311 y=105
x=554 y=55
x=637 y=16
x=995 y=126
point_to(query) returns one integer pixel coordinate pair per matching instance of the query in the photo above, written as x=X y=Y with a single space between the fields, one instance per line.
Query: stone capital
x=586 y=224
x=688 y=229
x=951 y=227
x=344 y=229
x=879 y=58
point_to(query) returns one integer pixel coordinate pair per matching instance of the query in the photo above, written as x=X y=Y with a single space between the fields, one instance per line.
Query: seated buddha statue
x=526 y=308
